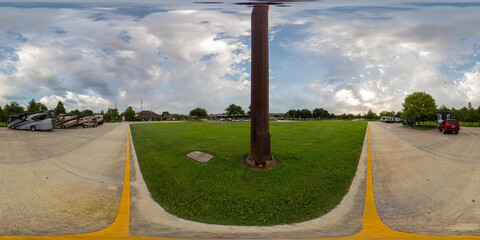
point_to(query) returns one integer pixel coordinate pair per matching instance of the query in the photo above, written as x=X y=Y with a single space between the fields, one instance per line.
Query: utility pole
x=260 y=155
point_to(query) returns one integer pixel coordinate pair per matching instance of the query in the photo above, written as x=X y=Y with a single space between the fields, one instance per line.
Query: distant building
x=168 y=118
x=147 y=115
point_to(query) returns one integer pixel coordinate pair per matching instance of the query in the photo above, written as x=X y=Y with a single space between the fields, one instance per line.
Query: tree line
x=418 y=106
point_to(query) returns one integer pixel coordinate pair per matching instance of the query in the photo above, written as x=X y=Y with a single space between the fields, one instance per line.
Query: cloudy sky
x=344 y=56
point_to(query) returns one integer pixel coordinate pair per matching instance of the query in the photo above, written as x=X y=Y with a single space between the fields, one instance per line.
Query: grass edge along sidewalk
x=317 y=163
x=3 y=124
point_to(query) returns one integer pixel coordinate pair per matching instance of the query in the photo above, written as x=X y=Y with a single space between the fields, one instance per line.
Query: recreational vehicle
x=44 y=120
x=66 y=121
x=387 y=119
x=99 y=119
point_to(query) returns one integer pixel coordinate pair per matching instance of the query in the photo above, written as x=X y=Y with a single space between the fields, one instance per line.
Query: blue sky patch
x=124 y=36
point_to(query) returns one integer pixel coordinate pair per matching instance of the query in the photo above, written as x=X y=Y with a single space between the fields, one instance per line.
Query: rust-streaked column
x=260 y=135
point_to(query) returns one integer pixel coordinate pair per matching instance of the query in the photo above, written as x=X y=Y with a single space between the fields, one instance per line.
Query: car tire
x=85 y=126
x=63 y=126
x=33 y=128
x=443 y=130
x=95 y=125
x=456 y=132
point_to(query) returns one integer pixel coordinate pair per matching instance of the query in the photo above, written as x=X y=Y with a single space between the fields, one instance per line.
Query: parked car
x=90 y=124
x=449 y=125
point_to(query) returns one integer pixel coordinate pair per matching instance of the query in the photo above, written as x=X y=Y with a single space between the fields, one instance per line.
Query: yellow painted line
x=373 y=227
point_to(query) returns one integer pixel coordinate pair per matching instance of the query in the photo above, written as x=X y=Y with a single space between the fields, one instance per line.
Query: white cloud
x=78 y=101
x=180 y=59
x=470 y=84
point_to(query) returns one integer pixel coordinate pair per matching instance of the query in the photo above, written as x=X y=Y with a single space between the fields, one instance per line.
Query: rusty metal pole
x=260 y=135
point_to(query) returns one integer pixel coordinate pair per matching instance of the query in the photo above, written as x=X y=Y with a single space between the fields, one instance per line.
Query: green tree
x=398 y=114
x=35 y=106
x=199 y=113
x=13 y=108
x=387 y=114
x=320 y=113
x=87 y=112
x=60 y=109
x=419 y=106
x=471 y=114
x=165 y=114
x=371 y=115
x=233 y=110
x=292 y=113
x=3 y=118
x=305 y=113
x=444 y=108
x=76 y=111
x=129 y=114
x=112 y=115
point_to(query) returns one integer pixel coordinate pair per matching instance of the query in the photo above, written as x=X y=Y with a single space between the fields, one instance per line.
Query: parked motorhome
x=99 y=119
x=387 y=119
x=44 y=120
x=66 y=121
x=441 y=117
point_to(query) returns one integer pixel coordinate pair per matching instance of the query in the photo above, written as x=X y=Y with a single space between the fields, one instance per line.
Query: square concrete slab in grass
x=200 y=157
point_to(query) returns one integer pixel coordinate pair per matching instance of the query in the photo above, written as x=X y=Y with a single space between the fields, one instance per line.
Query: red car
x=450 y=125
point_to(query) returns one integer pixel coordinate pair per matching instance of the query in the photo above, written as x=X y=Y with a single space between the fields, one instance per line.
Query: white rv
x=44 y=120
x=387 y=119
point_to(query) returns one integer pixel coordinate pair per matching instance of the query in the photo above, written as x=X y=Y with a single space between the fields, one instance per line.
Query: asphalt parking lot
x=425 y=181
x=61 y=182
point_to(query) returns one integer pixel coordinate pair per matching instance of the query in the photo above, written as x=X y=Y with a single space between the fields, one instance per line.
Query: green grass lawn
x=3 y=124
x=317 y=161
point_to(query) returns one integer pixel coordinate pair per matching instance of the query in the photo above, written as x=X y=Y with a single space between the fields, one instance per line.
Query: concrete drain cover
x=200 y=157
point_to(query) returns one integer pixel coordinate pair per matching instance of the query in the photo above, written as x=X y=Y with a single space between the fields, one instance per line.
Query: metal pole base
x=249 y=162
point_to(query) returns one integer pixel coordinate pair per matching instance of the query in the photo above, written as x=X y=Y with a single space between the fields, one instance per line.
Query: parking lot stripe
x=471 y=134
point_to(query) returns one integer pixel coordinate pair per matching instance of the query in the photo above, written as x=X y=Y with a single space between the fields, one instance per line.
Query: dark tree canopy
x=87 y=112
x=305 y=113
x=112 y=115
x=320 y=113
x=371 y=115
x=76 y=111
x=165 y=114
x=35 y=106
x=129 y=114
x=419 y=106
x=60 y=109
x=3 y=118
x=13 y=108
x=234 y=110
x=387 y=114
x=198 y=113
